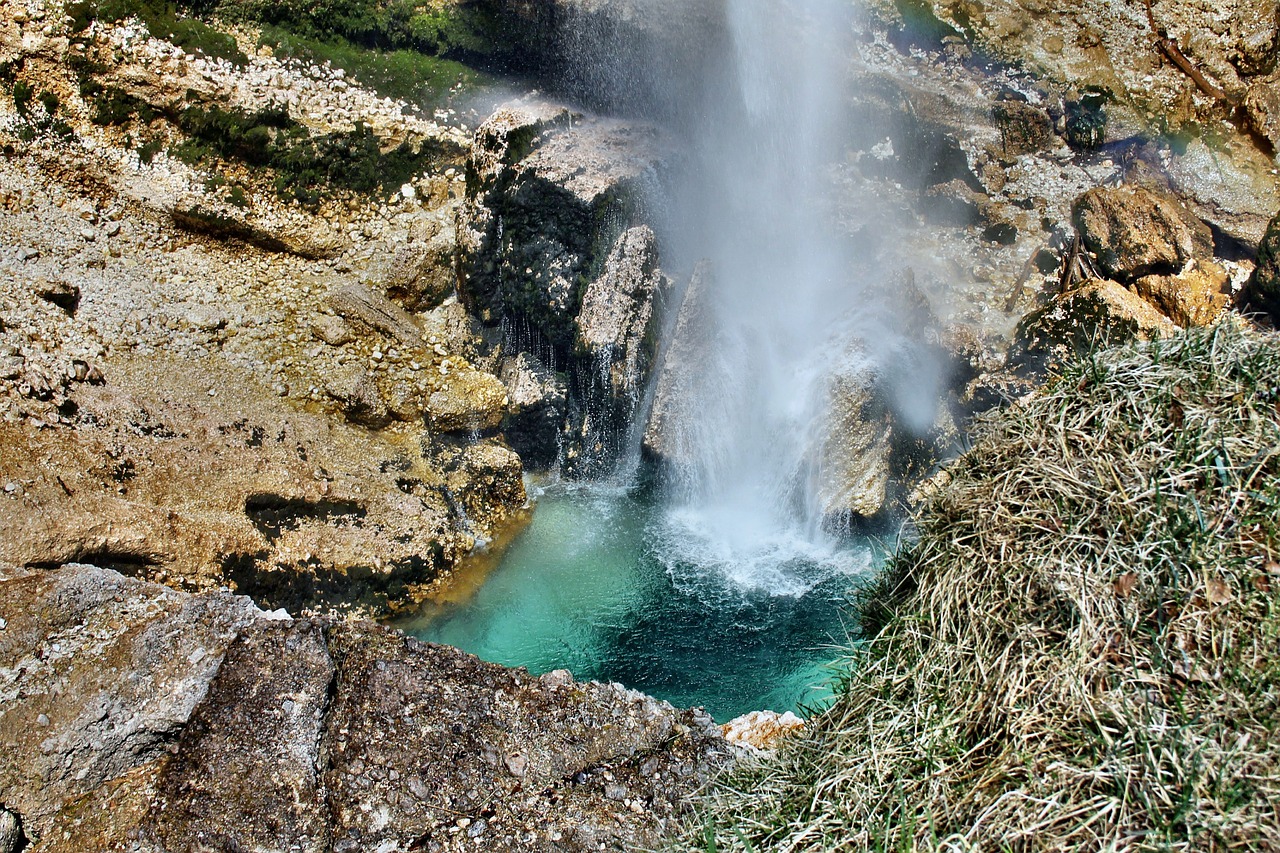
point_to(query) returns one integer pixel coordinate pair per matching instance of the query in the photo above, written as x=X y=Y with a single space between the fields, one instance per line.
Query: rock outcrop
x=145 y=718
x=1263 y=290
x=555 y=249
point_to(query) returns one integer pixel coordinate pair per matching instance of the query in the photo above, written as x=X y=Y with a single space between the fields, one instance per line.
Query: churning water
x=724 y=586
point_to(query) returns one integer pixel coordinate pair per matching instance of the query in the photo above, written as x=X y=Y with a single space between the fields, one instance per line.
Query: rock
x=680 y=370
x=1097 y=313
x=487 y=481
x=470 y=401
x=117 y=666
x=1134 y=232
x=11 y=837
x=421 y=277
x=761 y=730
x=359 y=303
x=1262 y=293
x=1194 y=297
x=537 y=400
x=332 y=330
x=244 y=773
x=1024 y=128
x=1262 y=109
x=179 y=721
x=617 y=322
x=361 y=400
x=854 y=469
x=1231 y=186
x=315 y=240
x=64 y=294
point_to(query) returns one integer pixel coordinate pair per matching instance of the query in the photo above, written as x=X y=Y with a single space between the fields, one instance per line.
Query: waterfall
x=779 y=306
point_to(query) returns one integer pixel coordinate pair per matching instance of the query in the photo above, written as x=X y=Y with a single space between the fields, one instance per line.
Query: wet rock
x=1231 y=186
x=617 y=323
x=1134 y=232
x=469 y=401
x=1262 y=293
x=680 y=371
x=1262 y=108
x=855 y=471
x=1194 y=297
x=487 y=481
x=1098 y=312
x=536 y=409
x=1024 y=128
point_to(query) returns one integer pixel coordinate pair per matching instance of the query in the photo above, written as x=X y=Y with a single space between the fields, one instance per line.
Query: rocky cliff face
x=140 y=718
x=557 y=253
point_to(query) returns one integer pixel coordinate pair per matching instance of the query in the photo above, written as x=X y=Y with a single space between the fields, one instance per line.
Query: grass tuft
x=1080 y=650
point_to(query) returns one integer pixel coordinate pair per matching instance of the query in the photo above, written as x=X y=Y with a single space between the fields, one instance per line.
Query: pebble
x=28 y=254
x=3 y=624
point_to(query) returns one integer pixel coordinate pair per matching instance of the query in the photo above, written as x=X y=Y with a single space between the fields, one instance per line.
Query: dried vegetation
x=1080 y=651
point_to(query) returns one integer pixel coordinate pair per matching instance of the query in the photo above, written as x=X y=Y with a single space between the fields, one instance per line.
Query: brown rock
x=420 y=277
x=1134 y=232
x=1196 y=297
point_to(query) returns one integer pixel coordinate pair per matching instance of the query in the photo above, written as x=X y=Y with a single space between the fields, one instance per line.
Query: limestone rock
x=12 y=838
x=536 y=409
x=137 y=717
x=761 y=730
x=332 y=330
x=420 y=277
x=99 y=675
x=359 y=303
x=470 y=401
x=1134 y=232
x=1195 y=297
x=244 y=772
x=486 y=480
x=1262 y=107
x=1262 y=293
x=361 y=400
x=855 y=471
x=314 y=241
x=1097 y=313
x=617 y=323
x=680 y=370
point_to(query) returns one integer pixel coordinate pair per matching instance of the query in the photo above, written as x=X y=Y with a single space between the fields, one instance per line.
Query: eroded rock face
x=159 y=721
x=536 y=409
x=1263 y=290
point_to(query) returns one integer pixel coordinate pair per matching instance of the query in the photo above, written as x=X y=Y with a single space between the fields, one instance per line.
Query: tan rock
x=761 y=730
x=1196 y=297
x=470 y=401
x=1134 y=232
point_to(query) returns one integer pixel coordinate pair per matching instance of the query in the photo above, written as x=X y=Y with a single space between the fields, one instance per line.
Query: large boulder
x=556 y=252
x=1134 y=232
x=137 y=717
x=617 y=326
x=536 y=409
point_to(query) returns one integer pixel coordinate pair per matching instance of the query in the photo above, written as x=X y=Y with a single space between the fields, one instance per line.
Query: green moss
x=307 y=166
x=402 y=74
x=23 y=92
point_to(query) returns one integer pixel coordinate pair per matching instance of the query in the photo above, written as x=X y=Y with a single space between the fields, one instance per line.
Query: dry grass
x=1080 y=650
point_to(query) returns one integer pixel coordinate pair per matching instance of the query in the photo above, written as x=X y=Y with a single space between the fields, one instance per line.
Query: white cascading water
x=781 y=303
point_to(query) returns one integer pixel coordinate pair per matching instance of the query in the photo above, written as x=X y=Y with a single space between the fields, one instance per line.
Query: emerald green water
x=609 y=585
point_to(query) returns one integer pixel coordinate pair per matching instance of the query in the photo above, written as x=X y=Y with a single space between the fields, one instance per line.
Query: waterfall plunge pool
x=614 y=585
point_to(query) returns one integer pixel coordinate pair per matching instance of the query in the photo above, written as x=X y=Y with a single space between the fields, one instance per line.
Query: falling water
x=781 y=305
